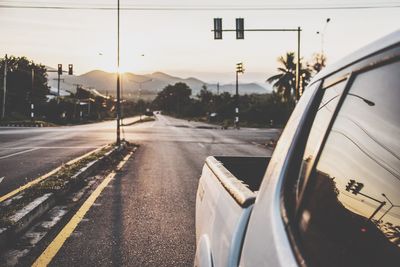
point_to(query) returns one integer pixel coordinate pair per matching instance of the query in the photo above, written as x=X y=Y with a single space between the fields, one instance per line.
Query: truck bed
x=249 y=170
x=225 y=196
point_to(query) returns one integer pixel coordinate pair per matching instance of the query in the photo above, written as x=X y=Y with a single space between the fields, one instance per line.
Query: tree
x=285 y=80
x=206 y=99
x=174 y=98
x=20 y=92
x=318 y=62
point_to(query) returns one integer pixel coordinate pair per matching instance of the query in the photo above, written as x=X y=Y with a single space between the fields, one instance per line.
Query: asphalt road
x=27 y=153
x=146 y=216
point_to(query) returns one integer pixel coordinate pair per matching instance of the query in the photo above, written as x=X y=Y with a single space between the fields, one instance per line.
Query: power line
x=199 y=8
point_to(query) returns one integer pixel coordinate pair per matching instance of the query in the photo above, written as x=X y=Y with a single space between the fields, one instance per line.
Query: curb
x=23 y=218
x=34 y=124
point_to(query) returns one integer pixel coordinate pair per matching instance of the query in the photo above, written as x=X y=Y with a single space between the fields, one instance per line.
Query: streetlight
x=391 y=207
x=140 y=90
x=323 y=34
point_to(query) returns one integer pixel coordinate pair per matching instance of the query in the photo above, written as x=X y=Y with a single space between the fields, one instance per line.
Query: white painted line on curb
x=17 y=153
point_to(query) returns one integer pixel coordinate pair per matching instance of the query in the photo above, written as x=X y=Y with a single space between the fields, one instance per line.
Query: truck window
x=330 y=99
x=350 y=211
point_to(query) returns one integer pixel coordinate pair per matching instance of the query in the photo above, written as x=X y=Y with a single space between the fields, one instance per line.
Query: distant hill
x=150 y=84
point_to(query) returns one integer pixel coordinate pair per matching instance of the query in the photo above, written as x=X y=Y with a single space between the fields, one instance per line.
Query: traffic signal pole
x=239 y=69
x=58 y=85
x=240 y=35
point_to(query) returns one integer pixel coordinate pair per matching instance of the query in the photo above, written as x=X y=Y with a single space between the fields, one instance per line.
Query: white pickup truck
x=329 y=196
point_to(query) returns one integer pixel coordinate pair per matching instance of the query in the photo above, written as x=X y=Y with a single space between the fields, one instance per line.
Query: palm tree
x=285 y=80
x=319 y=62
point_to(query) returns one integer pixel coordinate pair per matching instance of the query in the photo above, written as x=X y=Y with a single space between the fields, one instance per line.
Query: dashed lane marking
x=1 y=179
x=17 y=153
x=51 y=251
x=201 y=145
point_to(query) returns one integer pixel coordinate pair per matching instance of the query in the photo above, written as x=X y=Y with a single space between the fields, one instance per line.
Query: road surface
x=146 y=216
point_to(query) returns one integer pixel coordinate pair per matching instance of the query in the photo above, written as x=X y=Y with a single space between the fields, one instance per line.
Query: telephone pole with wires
x=118 y=142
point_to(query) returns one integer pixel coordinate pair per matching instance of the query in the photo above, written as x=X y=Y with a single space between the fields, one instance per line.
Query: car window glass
x=322 y=118
x=350 y=213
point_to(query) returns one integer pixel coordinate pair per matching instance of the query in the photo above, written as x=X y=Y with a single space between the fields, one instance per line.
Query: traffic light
x=354 y=187
x=239 y=28
x=70 y=69
x=59 y=69
x=349 y=185
x=239 y=67
x=357 y=188
x=217 y=29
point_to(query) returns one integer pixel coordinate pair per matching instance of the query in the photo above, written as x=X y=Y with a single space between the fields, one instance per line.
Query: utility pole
x=118 y=84
x=3 y=111
x=217 y=88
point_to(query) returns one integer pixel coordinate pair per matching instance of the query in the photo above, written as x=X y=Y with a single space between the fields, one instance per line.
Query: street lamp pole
x=118 y=142
x=391 y=207
x=322 y=33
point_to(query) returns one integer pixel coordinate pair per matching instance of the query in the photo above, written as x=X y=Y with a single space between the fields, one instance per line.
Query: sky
x=174 y=36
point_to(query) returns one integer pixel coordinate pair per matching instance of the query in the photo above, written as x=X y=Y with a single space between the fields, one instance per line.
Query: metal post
x=31 y=94
x=237 y=101
x=298 y=90
x=140 y=110
x=3 y=112
x=377 y=209
x=58 y=85
x=118 y=84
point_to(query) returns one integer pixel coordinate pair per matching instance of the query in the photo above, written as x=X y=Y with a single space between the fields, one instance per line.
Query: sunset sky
x=174 y=37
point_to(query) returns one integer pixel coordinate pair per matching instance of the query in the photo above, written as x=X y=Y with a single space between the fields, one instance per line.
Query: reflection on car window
x=324 y=114
x=350 y=214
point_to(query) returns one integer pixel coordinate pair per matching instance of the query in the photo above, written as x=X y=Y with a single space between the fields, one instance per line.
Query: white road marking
x=17 y=153
x=49 y=147
x=1 y=179
x=201 y=145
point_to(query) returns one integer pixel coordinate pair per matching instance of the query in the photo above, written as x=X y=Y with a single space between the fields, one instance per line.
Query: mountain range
x=150 y=84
